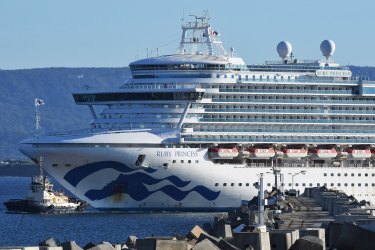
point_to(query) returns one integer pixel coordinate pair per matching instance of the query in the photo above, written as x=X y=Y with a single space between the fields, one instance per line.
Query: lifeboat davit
x=263 y=153
x=356 y=153
x=323 y=153
x=223 y=153
x=295 y=152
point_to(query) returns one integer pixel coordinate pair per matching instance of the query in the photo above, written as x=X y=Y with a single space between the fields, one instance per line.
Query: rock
x=205 y=245
x=308 y=242
x=49 y=243
x=131 y=241
x=71 y=245
x=103 y=246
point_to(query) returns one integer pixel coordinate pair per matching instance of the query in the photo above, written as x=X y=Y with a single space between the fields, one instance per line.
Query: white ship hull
x=178 y=179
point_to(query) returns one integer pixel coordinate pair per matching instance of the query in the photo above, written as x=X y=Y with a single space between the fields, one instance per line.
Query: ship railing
x=299 y=121
x=94 y=132
x=287 y=91
x=286 y=101
x=283 y=140
x=336 y=131
x=154 y=86
x=293 y=111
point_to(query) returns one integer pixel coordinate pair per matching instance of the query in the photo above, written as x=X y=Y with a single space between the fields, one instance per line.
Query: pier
x=318 y=219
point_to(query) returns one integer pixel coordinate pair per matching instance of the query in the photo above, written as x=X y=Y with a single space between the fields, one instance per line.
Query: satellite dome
x=327 y=47
x=284 y=49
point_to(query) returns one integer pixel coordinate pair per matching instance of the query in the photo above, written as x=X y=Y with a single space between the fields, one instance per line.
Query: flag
x=38 y=102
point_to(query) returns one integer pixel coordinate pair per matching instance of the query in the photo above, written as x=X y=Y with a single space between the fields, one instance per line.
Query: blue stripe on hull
x=171 y=209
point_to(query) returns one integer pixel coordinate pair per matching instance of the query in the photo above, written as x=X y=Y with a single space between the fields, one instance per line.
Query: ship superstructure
x=195 y=129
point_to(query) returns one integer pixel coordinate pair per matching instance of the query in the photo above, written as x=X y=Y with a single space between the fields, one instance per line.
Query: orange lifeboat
x=295 y=152
x=323 y=153
x=223 y=153
x=356 y=153
x=262 y=153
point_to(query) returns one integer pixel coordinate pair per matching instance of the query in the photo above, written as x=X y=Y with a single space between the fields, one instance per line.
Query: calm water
x=29 y=229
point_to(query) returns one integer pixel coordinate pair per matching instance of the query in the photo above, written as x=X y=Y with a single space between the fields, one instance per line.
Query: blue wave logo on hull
x=133 y=181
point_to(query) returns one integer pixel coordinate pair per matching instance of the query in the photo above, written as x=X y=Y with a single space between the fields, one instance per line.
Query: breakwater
x=320 y=219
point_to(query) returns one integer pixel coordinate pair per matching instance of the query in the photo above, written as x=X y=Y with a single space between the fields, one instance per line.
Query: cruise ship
x=194 y=130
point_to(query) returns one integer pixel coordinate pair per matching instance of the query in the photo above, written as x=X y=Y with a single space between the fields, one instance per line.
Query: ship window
x=373 y=175
x=346 y=184
x=352 y=184
x=345 y=174
x=224 y=184
x=240 y=184
x=174 y=161
x=196 y=161
x=310 y=184
x=289 y=184
x=366 y=184
x=352 y=174
x=247 y=184
x=216 y=184
x=332 y=174
x=359 y=184
x=217 y=76
x=182 y=161
x=268 y=184
x=359 y=174
x=67 y=165
x=325 y=174
x=366 y=174
x=303 y=184
x=373 y=184
x=318 y=184
x=332 y=184
x=54 y=165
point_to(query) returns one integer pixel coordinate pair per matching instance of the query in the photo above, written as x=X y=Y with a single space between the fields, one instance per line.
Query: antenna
x=37 y=102
x=41 y=166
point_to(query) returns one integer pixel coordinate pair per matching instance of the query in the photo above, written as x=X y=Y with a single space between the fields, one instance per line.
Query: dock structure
x=319 y=219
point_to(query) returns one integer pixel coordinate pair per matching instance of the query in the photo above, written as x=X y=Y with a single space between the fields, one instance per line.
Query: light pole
x=301 y=172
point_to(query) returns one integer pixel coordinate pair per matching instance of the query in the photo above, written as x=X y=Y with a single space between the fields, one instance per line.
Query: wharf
x=306 y=214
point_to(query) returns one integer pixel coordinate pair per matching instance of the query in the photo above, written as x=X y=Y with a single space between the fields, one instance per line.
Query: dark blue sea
x=90 y=226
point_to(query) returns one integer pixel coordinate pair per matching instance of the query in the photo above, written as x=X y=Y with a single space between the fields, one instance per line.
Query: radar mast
x=199 y=38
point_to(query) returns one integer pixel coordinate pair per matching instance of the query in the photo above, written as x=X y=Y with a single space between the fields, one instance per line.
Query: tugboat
x=41 y=198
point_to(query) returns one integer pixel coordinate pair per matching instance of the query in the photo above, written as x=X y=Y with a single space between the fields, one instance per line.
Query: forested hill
x=19 y=88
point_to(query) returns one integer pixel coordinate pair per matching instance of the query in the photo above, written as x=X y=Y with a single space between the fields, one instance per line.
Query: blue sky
x=112 y=33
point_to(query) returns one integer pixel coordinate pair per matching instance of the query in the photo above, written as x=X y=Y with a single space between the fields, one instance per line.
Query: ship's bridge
x=187 y=62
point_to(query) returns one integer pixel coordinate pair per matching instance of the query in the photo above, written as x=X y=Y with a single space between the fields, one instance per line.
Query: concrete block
x=170 y=244
x=131 y=241
x=224 y=231
x=308 y=243
x=145 y=244
x=354 y=237
x=195 y=233
x=280 y=240
x=317 y=232
x=205 y=245
x=50 y=248
x=103 y=246
x=259 y=241
x=49 y=243
x=20 y=248
x=70 y=245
